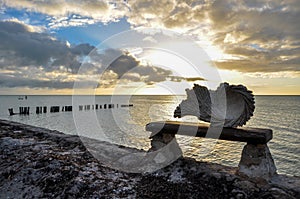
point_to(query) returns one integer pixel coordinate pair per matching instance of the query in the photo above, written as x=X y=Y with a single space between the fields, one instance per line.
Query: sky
x=47 y=47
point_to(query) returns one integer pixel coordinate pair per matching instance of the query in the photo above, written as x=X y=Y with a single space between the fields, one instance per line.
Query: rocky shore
x=40 y=163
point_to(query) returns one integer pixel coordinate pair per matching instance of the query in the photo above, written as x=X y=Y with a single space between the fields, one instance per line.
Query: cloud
x=120 y=66
x=36 y=59
x=258 y=35
x=61 y=7
x=255 y=36
x=263 y=36
x=22 y=46
x=12 y=82
x=72 y=13
x=31 y=58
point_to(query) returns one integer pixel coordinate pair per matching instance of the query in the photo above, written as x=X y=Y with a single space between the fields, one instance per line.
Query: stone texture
x=257 y=162
x=166 y=148
x=40 y=163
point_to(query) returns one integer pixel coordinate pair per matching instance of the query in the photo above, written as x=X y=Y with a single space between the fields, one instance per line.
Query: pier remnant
x=54 y=109
x=45 y=109
x=11 y=111
x=38 y=110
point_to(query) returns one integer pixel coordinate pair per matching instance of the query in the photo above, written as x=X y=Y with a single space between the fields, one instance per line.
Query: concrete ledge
x=41 y=163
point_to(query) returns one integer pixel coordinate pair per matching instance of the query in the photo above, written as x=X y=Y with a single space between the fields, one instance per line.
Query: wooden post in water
x=27 y=110
x=45 y=109
x=54 y=109
x=68 y=108
x=11 y=111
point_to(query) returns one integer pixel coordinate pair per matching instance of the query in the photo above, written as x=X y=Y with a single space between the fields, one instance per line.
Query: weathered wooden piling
x=45 y=109
x=24 y=110
x=126 y=105
x=97 y=106
x=39 y=110
x=20 y=110
x=27 y=110
x=67 y=108
x=11 y=111
x=54 y=109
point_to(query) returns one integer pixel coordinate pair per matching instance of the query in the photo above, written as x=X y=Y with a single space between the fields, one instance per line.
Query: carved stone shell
x=229 y=105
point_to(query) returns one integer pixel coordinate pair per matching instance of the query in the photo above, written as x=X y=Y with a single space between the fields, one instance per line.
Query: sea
x=125 y=125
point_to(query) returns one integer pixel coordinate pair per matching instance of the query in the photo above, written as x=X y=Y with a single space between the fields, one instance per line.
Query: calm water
x=126 y=125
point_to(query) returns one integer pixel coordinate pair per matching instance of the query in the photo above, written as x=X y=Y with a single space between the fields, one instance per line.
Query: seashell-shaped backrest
x=234 y=111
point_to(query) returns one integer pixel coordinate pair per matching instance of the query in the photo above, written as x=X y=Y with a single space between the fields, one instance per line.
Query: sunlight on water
x=126 y=125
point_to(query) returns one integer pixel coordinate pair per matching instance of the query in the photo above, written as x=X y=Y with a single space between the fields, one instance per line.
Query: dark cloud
x=21 y=47
x=123 y=64
x=125 y=67
x=12 y=82
x=82 y=49
x=263 y=35
x=33 y=59
x=258 y=34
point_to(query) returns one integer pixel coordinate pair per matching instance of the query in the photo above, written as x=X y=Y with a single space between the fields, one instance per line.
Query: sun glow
x=214 y=52
x=170 y=61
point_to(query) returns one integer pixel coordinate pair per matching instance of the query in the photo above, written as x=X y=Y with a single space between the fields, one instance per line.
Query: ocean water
x=125 y=125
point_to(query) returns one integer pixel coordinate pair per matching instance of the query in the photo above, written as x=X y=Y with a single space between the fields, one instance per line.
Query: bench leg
x=257 y=162
x=166 y=147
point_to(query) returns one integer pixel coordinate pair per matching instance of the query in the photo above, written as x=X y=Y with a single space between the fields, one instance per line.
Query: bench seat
x=242 y=134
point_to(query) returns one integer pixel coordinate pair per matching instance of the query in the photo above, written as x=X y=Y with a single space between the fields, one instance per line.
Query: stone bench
x=256 y=160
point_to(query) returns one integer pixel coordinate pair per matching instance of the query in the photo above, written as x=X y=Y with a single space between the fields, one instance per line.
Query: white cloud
x=258 y=35
x=82 y=12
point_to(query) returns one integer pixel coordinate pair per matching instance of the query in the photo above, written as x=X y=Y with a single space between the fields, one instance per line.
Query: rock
x=257 y=162
x=239 y=194
x=246 y=185
x=279 y=193
x=34 y=164
x=217 y=175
